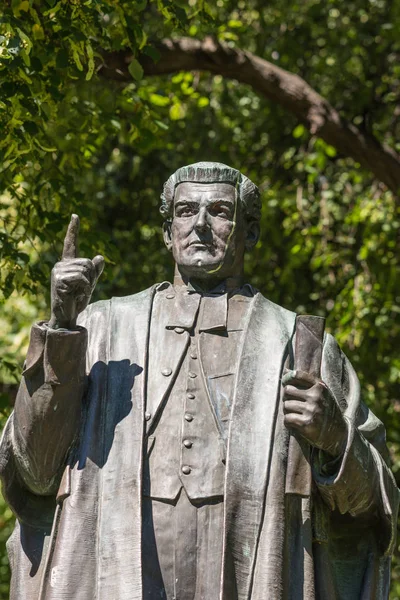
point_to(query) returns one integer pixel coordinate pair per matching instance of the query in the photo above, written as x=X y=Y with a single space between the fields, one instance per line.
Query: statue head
x=212 y=214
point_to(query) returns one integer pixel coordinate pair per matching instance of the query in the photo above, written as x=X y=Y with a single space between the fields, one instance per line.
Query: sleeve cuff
x=35 y=352
x=328 y=471
x=350 y=487
x=54 y=350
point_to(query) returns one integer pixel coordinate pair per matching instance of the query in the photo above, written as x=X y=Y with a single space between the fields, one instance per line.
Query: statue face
x=207 y=235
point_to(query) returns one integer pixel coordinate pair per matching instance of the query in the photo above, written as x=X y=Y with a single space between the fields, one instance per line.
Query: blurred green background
x=78 y=137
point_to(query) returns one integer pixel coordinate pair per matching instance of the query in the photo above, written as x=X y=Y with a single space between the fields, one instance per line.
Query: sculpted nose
x=201 y=221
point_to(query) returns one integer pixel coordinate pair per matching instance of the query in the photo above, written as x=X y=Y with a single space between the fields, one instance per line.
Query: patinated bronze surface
x=194 y=441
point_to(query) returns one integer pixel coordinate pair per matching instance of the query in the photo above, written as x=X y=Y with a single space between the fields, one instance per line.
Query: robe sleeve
x=45 y=421
x=360 y=483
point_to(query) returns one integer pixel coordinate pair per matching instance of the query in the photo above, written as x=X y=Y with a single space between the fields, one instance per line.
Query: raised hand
x=312 y=411
x=73 y=280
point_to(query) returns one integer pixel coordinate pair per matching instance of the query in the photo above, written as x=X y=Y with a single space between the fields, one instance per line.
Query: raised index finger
x=70 y=249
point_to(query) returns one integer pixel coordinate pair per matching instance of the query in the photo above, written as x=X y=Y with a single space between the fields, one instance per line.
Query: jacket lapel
x=166 y=356
x=173 y=314
x=251 y=435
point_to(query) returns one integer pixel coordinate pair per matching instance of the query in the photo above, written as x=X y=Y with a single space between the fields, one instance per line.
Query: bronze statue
x=193 y=441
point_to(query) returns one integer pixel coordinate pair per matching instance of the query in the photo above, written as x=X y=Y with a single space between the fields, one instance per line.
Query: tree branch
x=276 y=84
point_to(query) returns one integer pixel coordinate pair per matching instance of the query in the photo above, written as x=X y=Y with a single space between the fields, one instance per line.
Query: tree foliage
x=76 y=139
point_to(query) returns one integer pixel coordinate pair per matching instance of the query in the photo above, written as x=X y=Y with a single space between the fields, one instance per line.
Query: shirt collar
x=186 y=299
x=213 y=312
x=227 y=285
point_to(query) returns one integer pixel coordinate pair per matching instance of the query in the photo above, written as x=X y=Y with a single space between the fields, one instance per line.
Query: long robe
x=82 y=540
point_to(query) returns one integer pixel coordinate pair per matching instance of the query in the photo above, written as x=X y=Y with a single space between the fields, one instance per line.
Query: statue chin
x=207 y=267
x=203 y=269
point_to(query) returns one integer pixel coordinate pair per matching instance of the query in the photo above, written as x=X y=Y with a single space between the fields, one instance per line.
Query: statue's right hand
x=73 y=280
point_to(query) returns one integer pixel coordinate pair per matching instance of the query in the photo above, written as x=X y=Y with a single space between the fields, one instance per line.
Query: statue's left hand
x=311 y=410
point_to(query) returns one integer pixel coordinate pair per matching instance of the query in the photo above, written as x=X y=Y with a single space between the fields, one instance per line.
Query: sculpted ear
x=252 y=235
x=167 y=234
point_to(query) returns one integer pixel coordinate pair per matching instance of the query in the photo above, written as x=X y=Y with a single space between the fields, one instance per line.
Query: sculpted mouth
x=199 y=244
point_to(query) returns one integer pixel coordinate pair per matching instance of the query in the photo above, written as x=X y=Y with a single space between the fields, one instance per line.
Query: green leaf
x=25 y=58
x=27 y=42
x=159 y=100
x=45 y=148
x=75 y=55
x=37 y=32
x=177 y=111
x=152 y=52
x=19 y=6
x=233 y=23
x=24 y=76
x=89 y=51
x=330 y=150
x=136 y=69
x=202 y=102
x=298 y=131
x=161 y=125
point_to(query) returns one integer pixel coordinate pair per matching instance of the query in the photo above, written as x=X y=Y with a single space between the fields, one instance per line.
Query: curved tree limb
x=276 y=84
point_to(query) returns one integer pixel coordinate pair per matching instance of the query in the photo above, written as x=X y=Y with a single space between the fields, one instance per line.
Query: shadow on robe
x=36 y=513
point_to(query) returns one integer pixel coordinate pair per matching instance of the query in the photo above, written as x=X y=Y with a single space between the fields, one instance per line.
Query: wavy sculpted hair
x=213 y=172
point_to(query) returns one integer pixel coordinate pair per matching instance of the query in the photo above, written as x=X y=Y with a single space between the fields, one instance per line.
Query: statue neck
x=207 y=284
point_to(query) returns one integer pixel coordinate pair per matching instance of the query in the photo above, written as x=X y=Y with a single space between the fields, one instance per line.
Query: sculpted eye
x=221 y=210
x=186 y=210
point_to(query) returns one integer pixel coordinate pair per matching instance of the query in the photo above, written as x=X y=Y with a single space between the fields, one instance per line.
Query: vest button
x=188 y=417
x=192 y=375
x=190 y=396
x=170 y=296
x=179 y=329
x=186 y=469
x=187 y=443
x=193 y=355
x=166 y=372
x=147 y=416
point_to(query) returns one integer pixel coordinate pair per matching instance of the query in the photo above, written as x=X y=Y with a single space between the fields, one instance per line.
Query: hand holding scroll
x=311 y=410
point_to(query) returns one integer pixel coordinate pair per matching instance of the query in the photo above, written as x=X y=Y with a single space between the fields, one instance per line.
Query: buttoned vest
x=185 y=447
x=188 y=420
